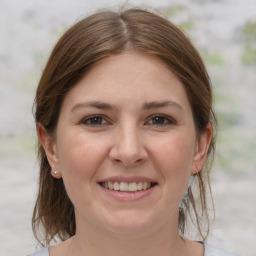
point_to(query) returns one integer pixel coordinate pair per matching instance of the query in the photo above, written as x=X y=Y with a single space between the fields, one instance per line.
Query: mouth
x=127 y=186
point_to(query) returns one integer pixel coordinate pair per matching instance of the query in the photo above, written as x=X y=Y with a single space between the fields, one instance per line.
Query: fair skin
x=128 y=122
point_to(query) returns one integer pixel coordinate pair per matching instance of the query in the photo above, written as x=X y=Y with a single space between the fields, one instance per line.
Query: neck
x=95 y=242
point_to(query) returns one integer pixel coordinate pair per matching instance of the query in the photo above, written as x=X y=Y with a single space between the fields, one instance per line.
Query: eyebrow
x=93 y=104
x=145 y=106
x=160 y=104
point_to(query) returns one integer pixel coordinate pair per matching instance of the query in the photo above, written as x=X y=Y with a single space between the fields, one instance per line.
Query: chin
x=131 y=224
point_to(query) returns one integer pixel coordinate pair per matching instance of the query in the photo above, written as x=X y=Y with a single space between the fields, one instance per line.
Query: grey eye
x=160 y=120
x=94 y=121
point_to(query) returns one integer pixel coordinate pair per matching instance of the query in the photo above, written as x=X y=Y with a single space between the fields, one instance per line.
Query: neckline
x=201 y=242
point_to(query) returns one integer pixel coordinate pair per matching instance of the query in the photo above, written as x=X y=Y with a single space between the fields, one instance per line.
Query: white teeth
x=139 y=186
x=144 y=185
x=133 y=187
x=124 y=186
x=110 y=185
x=127 y=187
x=116 y=186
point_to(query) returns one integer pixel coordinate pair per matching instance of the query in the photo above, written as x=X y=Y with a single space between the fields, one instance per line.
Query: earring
x=54 y=172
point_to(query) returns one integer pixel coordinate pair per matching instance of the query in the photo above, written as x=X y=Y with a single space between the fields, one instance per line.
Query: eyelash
x=164 y=120
x=94 y=118
x=167 y=120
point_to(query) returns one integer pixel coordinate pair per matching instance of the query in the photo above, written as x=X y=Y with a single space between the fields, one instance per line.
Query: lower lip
x=128 y=196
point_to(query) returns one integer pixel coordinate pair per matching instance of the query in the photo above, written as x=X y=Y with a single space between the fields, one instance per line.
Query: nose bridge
x=128 y=147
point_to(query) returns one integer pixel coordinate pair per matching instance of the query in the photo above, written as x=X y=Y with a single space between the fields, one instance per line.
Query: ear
x=50 y=148
x=201 y=149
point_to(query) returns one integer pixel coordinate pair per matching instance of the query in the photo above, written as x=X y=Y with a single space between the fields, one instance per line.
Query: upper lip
x=127 y=179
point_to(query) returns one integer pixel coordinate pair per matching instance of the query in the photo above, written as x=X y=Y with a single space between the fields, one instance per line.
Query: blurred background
x=224 y=31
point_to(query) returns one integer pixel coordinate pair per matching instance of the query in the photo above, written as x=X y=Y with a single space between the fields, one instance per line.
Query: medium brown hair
x=90 y=40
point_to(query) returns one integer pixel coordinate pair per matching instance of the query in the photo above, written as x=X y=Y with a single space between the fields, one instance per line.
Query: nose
x=128 y=147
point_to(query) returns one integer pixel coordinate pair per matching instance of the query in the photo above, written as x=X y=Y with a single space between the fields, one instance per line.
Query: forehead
x=132 y=77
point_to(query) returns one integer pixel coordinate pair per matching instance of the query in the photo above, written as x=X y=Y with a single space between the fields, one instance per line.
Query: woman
x=126 y=129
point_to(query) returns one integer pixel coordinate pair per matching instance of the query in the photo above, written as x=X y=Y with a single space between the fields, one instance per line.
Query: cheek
x=174 y=158
x=177 y=153
x=80 y=156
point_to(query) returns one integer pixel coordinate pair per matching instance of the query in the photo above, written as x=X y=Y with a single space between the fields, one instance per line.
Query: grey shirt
x=209 y=251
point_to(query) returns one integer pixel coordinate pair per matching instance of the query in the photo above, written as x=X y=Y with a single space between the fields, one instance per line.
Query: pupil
x=159 y=120
x=96 y=120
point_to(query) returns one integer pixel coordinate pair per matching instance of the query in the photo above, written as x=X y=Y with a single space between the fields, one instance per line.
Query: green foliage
x=18 y=145
x=29 y=81
x=57 y=32
x=249 y=31
x=174 y=10
x=212 y=58
x=227 y=118
x=187 y=25
x=249 y=56
x=249 y=41
x=236 y=150
x=226 y=109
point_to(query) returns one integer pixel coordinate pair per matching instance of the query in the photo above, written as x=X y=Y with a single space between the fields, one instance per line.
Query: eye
x=160 y=120
x=95 y=121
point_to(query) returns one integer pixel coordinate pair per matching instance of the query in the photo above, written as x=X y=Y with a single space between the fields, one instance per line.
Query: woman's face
x=126 y=145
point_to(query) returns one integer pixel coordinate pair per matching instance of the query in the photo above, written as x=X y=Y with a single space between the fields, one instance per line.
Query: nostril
x=128 y=152
x=139 y=161
x=117 y=160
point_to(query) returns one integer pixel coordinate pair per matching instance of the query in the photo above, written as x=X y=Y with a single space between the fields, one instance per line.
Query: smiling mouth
x=127 y=187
